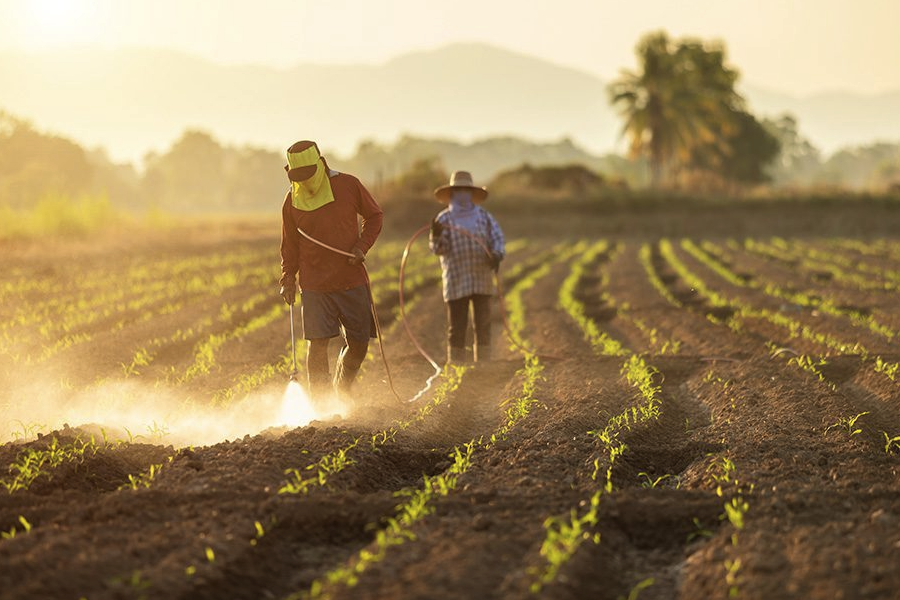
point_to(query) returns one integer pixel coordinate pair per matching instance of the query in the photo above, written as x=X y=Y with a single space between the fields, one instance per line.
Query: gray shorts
x=324 y=314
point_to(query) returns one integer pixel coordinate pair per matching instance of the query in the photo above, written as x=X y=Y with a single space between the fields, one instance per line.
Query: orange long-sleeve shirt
x=335 y=224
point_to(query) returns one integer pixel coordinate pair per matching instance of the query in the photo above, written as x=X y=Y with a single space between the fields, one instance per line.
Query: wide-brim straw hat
x=461 y=180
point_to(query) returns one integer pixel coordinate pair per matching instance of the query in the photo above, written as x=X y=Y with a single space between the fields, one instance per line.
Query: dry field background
x=692 y=414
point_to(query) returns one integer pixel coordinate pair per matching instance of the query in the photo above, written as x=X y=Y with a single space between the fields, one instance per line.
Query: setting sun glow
x=53 y=23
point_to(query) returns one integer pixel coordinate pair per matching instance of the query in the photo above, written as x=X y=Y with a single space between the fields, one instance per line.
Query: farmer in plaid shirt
x=467 y=269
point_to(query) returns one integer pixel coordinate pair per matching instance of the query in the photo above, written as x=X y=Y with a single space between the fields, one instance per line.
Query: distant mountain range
x=132 y=101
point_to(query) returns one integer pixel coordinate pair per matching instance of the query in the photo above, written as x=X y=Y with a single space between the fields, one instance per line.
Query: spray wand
x=293 y=347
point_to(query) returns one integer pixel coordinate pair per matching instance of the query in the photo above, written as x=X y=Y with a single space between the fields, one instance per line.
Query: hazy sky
x=795 y=46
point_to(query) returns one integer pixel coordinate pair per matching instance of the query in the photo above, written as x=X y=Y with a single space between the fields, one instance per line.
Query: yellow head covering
x=314 y=191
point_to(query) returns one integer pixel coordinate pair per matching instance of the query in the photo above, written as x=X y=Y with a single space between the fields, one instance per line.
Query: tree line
x=687 y=127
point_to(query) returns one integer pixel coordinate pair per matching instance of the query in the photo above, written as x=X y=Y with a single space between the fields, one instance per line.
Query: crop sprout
x=136 y=581
x=143 y=480
x=27 y=431
x=848 y=423
x=650 y=481
x=260 y=532
x=26 y=528
x=810 y=365
x=699 y=531
x=732 y=576
x=889 y=370
x=638 y=588
x=331 y=463
x=564 y=537
x=890 y=443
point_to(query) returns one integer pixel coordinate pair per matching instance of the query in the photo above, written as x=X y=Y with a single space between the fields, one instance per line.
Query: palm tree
x=678 y=101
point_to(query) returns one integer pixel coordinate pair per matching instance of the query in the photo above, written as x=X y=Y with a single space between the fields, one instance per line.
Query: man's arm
x=439 y=236
x=496 y=241
x=373 y=218
x=290 y=246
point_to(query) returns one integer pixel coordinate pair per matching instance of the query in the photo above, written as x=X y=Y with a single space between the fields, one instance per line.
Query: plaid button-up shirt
x=466 y=268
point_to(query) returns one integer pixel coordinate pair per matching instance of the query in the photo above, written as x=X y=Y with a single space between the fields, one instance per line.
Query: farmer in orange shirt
x=324 y=204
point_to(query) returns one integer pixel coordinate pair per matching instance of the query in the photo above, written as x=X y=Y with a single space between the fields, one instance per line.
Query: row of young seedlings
x=63 y=315
x=804 y=298
x=73 y=329
x=879 y=249
x=565 y=535
x=809 y=364
x=146 y=354
x=735 y=493
x=850 y=255
x=794 y=327
x=419 y=501
x=89 y=290
x=821 y=263
x=33 y=463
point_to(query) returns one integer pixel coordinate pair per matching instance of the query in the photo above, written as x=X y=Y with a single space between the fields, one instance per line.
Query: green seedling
x=848 y=423
x=650 y=482
x=732 y=577
x=699 y=531
x=812 y=366
x=26 y=528
x=157 y=431
x=638 y=588
x=28 y=431
x=886 y=368
x=735 y=509
x=32 y=463
x=890 y=443
x=144 y=479
x=720 y=472
x=564 y=536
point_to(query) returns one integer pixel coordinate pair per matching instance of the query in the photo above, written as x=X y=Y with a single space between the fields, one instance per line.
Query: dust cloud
x=154 y=414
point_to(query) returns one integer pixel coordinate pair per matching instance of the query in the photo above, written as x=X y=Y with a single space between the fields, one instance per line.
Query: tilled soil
x=751 y=482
